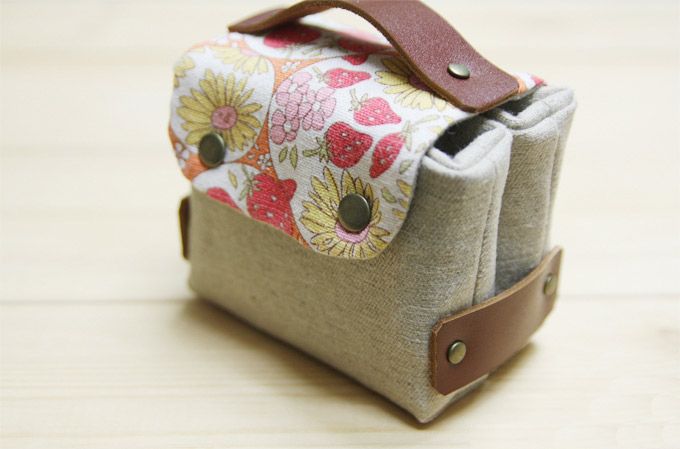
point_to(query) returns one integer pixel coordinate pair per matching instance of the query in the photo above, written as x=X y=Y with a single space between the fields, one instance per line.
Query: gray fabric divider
x=540 y=124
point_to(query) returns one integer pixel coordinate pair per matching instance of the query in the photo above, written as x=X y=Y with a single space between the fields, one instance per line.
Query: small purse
x=383 y=205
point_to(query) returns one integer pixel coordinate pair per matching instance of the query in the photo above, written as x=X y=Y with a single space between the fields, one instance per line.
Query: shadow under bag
x=381 y=202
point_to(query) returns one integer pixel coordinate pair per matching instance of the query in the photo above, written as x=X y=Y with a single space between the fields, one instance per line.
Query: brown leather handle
x=495 y=330
x=423 y=38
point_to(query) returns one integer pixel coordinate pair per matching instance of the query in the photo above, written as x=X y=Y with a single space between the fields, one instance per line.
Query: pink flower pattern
x=284 y=128
x=286 y=121
x=300 y=106
x=319 y=106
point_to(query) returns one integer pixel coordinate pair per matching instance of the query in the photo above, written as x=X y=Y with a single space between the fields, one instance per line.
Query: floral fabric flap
x=308 y=116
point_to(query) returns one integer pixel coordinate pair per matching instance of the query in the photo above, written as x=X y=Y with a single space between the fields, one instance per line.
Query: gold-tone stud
x=550 y=285
x=459 y=71
x=211 y=150
x=457 y=352
x=354 y=213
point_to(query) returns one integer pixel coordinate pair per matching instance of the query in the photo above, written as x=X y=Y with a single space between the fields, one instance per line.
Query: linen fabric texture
x=478 y=222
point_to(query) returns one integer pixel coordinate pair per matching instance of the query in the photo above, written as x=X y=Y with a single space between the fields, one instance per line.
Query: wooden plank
x=186 y=374
x=610 y=27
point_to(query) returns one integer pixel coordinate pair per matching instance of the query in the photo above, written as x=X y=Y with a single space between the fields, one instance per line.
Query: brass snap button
x=457 y=352
x=211 y=150
x=550 y=286
x=354 y=213
x=459 y=71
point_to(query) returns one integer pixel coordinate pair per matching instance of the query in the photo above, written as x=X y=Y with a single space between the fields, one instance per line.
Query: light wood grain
x=102 y=344
x=185 y=374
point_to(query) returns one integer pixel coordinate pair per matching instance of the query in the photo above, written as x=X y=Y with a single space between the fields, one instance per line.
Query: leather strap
x=184 y=213
x=495 y=330
x=424 y=39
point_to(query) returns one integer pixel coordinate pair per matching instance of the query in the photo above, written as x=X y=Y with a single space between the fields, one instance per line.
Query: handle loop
x=427 y=43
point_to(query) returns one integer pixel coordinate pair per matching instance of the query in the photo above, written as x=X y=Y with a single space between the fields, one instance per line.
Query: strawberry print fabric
x=308 y=116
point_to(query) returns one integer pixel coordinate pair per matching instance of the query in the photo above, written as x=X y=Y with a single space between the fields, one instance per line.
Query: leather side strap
x=184 y=212
x=424 y=39
x=493 y=331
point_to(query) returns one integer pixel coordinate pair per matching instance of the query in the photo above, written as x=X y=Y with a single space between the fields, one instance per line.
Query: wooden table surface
x=104 y=346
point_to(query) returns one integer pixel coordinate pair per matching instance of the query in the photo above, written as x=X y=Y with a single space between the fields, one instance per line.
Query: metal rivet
x=457 y=352
x=211 y=150
x=354 y=213
x=550 y=286
x=459 y=71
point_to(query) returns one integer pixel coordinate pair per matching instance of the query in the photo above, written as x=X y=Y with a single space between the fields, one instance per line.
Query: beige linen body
x=478 y=222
